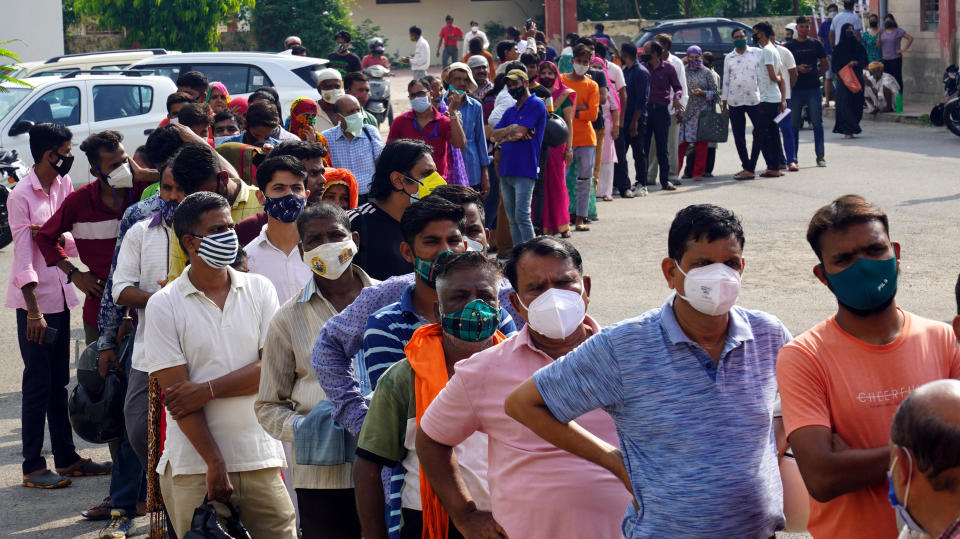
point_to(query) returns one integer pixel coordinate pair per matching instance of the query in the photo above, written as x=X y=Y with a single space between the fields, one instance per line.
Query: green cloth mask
x=477 y=321
x=427 y=269
x=866 y=284
x=740 y=43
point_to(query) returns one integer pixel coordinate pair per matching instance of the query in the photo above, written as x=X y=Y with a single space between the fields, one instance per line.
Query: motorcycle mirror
x=20 y=127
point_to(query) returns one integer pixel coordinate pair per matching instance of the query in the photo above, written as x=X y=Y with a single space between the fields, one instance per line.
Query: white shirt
x=184 y=327
x=420 y=60
x=472 y=458
x=503 y=102
x=471 y=35
x=144 y=259
x=769 y=89
x=740 y=77
x=682 y=76
x=286 y=271
x=786 y=64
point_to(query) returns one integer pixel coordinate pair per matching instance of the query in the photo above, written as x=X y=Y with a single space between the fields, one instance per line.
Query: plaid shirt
x=359 y=155
x=110 y=316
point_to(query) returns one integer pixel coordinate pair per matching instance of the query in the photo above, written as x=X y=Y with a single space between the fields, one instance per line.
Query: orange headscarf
x=342 y=176
x=299 y=111
x=238 y=105
x=425 y=353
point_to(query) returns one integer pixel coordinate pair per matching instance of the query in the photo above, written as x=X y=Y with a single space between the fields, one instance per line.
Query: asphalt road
x=910 y=171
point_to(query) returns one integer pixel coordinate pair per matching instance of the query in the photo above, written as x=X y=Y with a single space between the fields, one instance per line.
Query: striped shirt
x=288 y=383
x=389 y=329
x=358 y=155
x=94 y=227
x=697 y=438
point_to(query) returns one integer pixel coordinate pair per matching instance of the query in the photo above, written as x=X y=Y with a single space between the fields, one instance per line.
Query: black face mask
x=63 y=164
x=889 y=24
x=755 y=39
x=874 y=24
x=547 y=83
x=517 y=93
x=645 y=58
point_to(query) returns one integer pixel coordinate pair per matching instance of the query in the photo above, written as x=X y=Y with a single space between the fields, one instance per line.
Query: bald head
x=928 y=424
x=347 y=105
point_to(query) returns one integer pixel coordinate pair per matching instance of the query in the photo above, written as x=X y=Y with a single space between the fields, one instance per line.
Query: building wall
x=38 y=24
x=929 y=55
x=395 y=19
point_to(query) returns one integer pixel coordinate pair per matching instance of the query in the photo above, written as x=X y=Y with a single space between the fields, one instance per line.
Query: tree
x=313 y=21
x=187 y=25
x=7 y=69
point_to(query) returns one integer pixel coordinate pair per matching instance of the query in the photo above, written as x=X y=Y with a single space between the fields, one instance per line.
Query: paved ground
x=910 y=171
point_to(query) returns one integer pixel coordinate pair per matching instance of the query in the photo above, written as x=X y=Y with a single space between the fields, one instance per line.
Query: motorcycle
x=378 y=104
x=947 y=112
x=12 y=170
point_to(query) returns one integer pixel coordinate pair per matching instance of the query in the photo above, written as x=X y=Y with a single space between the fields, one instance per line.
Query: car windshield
x=10 y=98
x=309 y=74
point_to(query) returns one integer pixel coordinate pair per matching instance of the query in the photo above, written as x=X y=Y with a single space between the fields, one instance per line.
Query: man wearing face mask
x=290 y=403
x=204 y=334
x=924 y=461
x=97 y=208
x=475 y=32
x=840 y=381
x=330 y=87
x=353 y=144
x=584 y=136
x=466 y=313
x=275 y=253
x=666 y=92
x=424 y=122
x=741 y=96
x=342 y=59
x=551 y=293
x=691 y=388
x=476 y=159
x=450 y=35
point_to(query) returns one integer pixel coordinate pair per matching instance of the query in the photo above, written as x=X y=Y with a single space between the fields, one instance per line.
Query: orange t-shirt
x=588 y=93
x=829 y=378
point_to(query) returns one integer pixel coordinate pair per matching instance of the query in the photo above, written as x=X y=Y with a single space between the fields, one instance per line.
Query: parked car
x=710 y=34
x=129 y=102
x=87 y=61
x=243 y=72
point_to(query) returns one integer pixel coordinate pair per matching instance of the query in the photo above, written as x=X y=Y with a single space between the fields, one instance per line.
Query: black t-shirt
x=807 y=52
x=600 y=78
x=345 y=63
x=380 y=238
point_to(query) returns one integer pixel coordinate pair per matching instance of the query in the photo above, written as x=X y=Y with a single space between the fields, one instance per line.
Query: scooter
x=947 y=112
x=378 y=103
x=12 y=170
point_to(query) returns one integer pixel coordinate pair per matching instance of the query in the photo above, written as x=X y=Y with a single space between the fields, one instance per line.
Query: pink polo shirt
x=29 y=205
x=536 y=489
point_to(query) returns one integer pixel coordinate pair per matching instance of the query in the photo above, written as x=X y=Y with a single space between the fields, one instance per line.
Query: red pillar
x=561 y=18
x=948 y=29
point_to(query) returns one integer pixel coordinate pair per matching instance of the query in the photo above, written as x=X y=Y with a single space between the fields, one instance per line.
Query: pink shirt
x=536 y=489
x=29 y=205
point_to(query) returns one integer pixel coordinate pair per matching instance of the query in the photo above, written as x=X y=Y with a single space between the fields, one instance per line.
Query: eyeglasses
x=422 y=93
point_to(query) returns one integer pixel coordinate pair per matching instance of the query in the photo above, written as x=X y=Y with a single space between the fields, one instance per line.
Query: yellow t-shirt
x=245 y=205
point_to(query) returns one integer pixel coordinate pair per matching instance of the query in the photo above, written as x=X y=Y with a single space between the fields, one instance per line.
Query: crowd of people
x=337 y=353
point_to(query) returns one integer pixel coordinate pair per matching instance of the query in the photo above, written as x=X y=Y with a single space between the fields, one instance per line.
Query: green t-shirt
x=384 y=433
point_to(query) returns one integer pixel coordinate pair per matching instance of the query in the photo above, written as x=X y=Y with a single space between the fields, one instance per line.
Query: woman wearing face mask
x=556 y=201
x=849 y=109
x=871 y=39
x=303 y=119
x=703 y=94
x=890 y=45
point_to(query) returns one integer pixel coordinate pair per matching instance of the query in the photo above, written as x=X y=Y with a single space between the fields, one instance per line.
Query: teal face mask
x=454 y=90
x=427 y=269
x=477 y=321
x=865 y=285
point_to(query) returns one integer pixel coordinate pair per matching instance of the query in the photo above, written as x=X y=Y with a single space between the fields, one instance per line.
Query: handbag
x=850 y=80
x=713 y=126
x=206 y=525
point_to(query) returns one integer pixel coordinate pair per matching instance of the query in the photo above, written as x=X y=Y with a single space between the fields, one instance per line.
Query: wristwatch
x=71 y=272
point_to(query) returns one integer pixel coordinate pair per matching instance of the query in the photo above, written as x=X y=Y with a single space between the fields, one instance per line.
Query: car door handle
x=148 y=131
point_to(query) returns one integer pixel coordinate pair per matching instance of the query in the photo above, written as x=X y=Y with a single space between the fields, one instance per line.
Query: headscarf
x=238 y=105
x=694 y=64
x=217 y=85
x=558 y=86
x=342 y=176
x=301 y=107
x=847 y=50
x=244 y=157
x=875 y=65
x=611 y=90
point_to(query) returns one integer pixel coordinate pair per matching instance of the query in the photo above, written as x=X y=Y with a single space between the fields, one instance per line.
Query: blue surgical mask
x=220 y=140
x=866 y=284
x=901 y=510
x=420 y=104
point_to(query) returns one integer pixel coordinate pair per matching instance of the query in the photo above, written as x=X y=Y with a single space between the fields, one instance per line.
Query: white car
x=243 y=72
x=133 y=105
x=88 y=61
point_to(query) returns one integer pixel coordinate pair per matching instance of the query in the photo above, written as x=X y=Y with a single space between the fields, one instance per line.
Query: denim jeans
x=788 y=152
x=517 y=196
x=128 y=484
x=813 y=100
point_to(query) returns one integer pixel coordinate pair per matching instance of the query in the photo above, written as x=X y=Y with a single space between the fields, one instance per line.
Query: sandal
x=566 y=234
x=46 y=480
x=794 y=168
x=582 y=228
x=771 y=174
x=627 y=194
x=86 y=468
x=744 y=175
x=607 y=198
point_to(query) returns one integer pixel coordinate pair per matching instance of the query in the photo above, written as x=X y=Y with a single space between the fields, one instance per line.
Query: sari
x=556 y=201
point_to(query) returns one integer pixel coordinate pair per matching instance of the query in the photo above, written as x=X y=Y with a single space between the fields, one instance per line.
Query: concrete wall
x=924 y=63
x=37 y=23
x=395 y=19
x=627 y=30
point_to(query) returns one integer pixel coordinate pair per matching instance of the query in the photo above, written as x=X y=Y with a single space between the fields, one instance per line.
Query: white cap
x=792 y=27
x=477 y=61
x=461 y=67
x=328 y=74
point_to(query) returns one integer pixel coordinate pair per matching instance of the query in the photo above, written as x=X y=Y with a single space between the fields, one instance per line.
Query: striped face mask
x=219 y=250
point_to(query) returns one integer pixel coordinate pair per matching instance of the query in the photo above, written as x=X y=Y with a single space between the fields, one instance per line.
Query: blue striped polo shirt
x=697 y=440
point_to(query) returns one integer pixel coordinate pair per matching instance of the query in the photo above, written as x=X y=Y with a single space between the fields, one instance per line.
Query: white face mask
x=331 y=96
x=580 y=69
x=174 y=121
x=220 y=140
x=474 y=29
x=121 y=178
x=330 y=260
x=556 y=313
x=712 y=289
x=473 y=245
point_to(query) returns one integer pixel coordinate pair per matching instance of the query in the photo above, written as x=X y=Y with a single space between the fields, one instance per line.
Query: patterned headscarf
x=875 y=65
x=303 y=114
x=342 y=176
x=238 y=105
x=217 y=85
